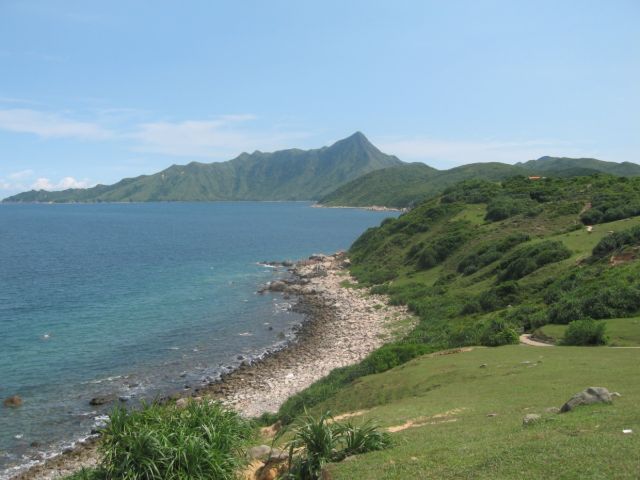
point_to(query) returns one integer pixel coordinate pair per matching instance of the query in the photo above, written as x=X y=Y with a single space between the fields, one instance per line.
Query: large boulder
x=588 y=397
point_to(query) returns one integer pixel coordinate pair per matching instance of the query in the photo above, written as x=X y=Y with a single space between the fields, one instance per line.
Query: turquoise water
x=137 y=300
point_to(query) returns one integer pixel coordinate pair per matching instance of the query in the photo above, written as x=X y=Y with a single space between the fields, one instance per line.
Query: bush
x=489 y=253
x=529 y=258
x=201 y=441
x=504 y=207
x=585 y=332
x=615 y=241
x=497 y=333
x=318 y=441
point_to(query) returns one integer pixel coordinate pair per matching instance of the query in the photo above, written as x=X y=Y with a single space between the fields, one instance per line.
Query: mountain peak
x=357 y=141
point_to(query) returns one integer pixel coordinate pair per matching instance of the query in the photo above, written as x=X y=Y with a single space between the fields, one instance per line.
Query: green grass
x=517 y=380
x=622 y=332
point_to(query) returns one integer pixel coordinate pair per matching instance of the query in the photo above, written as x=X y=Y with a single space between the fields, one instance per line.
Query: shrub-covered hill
x=485 y=261
x=408 y=184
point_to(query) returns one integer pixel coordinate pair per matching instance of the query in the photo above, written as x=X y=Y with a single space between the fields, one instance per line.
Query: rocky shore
x=344 y=324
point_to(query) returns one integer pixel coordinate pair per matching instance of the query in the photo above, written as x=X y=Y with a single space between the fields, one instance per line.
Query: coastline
x=371 y=208
x=342 y=326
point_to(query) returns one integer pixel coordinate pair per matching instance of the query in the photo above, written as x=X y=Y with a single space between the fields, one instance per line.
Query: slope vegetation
x=406 y=185
x=284 y=175
x=484 y=262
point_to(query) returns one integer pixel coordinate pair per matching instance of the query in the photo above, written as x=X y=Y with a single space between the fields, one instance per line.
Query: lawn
x=450 y=397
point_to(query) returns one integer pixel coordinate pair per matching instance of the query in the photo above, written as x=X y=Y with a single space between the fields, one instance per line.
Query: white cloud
x=446 y=153
x=43 y=183
x=218 y=138
x=50 y=125
x=22 y=174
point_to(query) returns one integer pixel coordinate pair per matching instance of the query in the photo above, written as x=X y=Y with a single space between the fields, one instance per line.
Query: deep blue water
x=139 y=299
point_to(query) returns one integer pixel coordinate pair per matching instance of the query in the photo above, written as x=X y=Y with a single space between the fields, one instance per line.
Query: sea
x=139 y=300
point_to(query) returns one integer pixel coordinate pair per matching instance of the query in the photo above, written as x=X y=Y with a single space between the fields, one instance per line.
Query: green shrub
x=585 y=332
x=504 y=207
x=616 y=241
x=200 y=441
x=318 y=441
x=498 y=332
x=529 y=258
x=489 y=253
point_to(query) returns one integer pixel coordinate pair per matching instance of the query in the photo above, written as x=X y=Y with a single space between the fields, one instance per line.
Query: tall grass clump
x=319 y=440
x=202 y=441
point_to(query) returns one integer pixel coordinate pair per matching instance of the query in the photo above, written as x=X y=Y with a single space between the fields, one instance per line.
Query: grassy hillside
x=479 y=265
x=444 y=402
x=485 y=261
x=285 y=175
x=408 y=184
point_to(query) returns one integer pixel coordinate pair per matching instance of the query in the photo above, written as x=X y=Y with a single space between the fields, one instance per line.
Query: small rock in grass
x=492 y=414
x=484 y=365
x=530 y=418
x=552 y=410
x=627 y=430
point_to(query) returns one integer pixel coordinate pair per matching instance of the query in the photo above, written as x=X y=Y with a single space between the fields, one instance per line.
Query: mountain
x=407 y=184
x=567 y=167
x=283 y=175
x=393 y=187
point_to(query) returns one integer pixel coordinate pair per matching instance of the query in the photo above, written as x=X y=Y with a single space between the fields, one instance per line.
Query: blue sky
x=91 y=92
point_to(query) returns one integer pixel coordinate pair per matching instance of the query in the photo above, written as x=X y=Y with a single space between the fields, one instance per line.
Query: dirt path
x=525 y=339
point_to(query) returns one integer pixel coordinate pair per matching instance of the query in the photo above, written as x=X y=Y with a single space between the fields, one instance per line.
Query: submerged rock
x=101 y=400
x=589 y=396
x=13 y=401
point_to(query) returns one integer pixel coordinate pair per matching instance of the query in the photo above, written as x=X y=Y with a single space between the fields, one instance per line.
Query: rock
x=492 y=414
x=278 y=455
x=484 y=365
x=552 y=410
x=530 y=418
x=13 y=401
x=34 y=444
x=182 y=402
x=589 y=396
x=277 y=286
x=101 y=400
x=261 y=452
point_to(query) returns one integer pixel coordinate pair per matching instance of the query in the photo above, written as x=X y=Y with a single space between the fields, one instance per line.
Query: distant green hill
x=564 y=166
x=394 y=187
x=408 y=184
x=284 y=175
